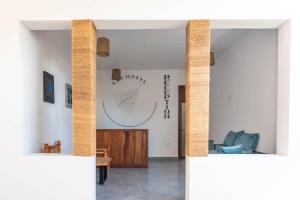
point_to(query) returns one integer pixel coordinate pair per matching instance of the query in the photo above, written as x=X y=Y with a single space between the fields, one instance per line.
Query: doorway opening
x=181 y=121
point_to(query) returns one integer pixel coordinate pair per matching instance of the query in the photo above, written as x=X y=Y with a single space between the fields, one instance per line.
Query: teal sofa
x=236 y=143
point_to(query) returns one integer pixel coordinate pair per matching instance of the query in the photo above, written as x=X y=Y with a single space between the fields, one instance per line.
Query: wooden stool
x=103 y=152
x=102 y=164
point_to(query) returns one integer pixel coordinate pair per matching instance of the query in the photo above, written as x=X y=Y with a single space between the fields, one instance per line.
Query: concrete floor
x=163 y=180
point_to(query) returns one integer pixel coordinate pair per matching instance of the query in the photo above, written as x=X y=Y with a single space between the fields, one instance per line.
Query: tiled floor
x=163 y=180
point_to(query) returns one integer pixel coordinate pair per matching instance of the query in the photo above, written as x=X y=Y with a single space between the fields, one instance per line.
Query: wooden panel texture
x=197 y=87
x=128 y=147
x=84 y=87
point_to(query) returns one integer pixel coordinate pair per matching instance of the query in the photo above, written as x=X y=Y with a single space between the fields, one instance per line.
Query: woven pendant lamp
x=103 y=47
x=116 y=74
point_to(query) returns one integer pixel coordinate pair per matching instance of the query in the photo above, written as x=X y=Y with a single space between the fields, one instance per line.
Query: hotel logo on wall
x=129 y=103
x=167 y=96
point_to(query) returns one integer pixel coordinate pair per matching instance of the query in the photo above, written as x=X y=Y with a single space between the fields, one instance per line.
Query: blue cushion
x=233 y=149
x=231 y=138
x=218 y=148
x=249 y=151
x=249 y=141
x=214 y=152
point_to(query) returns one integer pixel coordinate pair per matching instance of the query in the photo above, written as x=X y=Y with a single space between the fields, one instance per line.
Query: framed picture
x=48 y=87
x=68 y=95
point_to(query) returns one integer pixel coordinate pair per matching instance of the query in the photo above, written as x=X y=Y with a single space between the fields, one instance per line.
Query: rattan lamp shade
x=103 y=47
x=116 y=74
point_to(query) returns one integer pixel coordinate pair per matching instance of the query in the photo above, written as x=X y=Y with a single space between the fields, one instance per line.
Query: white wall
x=53 y=176
x=15 y=169
x=243 y=89
x=34 y=176
x=254 y=177
x=162 y=136
x=31 y=91
x=283 y=91
x=56 y=119
x=248 y=177
x=45 y=122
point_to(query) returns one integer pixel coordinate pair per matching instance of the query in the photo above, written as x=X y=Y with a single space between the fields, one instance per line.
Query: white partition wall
x=252 y=178
x=266 y=176
x=35 y=175
x=283 y=88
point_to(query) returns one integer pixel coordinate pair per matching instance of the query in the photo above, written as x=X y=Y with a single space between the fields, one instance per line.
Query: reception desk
x=128 y=147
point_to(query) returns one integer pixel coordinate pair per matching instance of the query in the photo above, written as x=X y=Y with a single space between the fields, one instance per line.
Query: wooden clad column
x=84 y=87
x=197 y=87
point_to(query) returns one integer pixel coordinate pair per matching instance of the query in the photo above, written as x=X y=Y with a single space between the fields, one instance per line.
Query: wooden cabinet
x=128 y=147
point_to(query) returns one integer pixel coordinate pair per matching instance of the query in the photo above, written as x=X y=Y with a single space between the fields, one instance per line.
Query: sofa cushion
x=249 y=141
x=231 y=138
x=233 y=149
x=218 y=148
x=249 y=151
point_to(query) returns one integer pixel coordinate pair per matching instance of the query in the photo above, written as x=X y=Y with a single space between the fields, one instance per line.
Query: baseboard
x=163 y=158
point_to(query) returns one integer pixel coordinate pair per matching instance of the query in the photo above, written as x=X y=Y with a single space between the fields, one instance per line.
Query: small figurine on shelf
x=46 y=148
x=56 y=148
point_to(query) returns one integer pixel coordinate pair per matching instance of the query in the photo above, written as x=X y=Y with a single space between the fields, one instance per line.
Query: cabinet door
x=141 y=148
x=116 y=148
x=135 y=148
x=129 y=148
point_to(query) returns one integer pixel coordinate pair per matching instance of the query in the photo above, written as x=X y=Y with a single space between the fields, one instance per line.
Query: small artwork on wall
x=48 y=87
x=68 y=94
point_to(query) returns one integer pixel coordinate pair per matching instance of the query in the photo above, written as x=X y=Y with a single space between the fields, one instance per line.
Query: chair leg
x=102 y=175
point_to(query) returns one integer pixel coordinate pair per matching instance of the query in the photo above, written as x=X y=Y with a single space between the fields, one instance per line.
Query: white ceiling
x=223 y=38
x=144 y=49
x=155 y=44
x=156 y=49
x=154 y=24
